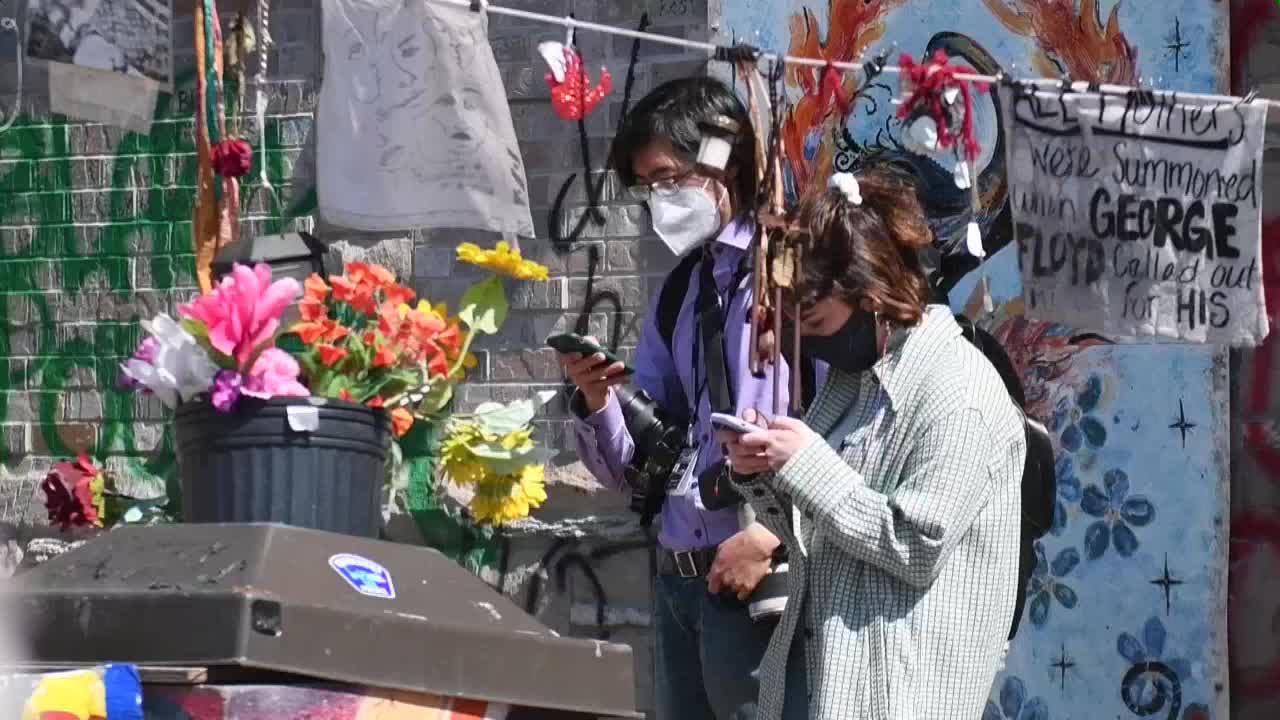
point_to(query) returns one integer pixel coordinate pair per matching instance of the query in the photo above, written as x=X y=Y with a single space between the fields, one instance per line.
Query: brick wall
x=95 y=234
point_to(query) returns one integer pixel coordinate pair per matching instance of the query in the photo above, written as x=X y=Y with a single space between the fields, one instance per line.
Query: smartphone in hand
x=733 y=423
x=574 y=343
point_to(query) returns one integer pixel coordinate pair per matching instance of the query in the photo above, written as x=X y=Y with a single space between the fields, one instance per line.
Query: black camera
x=662 y=451
x=662 y=457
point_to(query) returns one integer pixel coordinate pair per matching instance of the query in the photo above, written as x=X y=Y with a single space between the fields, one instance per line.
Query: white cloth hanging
x=413 y=127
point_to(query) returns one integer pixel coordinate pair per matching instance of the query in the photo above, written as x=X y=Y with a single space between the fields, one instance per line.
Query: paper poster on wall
x=1139 y=215
x=107 y=59
x=413 y=126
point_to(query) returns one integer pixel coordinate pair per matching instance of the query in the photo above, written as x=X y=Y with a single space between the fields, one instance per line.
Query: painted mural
x=1126 y=612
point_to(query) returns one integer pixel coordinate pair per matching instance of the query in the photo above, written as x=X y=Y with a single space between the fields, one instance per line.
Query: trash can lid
x=317 y=604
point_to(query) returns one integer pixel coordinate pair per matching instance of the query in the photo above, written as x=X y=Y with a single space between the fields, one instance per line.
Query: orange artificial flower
x=311 y=332
x=366 y=274
x=343 y=289
x=344 y=394
x=397 y=295
x=315 y=288
x=312 y=309
x=330 y=355
x=384 y=357
x=401 y=421
x=308 y=332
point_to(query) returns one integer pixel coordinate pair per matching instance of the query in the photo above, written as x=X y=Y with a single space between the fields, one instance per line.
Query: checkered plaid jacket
x=903 y=538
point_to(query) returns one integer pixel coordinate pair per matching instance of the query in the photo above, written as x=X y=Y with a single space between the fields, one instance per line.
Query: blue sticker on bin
x=366 y=576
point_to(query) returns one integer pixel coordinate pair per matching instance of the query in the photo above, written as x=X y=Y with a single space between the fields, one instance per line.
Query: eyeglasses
x=662 y=188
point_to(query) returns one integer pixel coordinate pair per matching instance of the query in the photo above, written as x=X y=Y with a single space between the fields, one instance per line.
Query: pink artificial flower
x=274 y=374
x=244 y=311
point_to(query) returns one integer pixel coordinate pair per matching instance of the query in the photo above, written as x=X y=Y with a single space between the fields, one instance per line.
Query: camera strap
x=711 y=324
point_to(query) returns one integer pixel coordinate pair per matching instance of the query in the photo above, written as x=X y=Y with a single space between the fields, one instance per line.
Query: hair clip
x=847 y=184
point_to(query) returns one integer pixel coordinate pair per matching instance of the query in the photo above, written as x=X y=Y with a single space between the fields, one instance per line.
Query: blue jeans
x=707 y=653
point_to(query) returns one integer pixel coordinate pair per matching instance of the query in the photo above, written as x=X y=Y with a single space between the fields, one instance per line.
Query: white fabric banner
x=1139 y=215
x=413 y=127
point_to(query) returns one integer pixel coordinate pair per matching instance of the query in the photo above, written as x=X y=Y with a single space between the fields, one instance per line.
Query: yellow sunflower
x=502 y=260
x=509 y=497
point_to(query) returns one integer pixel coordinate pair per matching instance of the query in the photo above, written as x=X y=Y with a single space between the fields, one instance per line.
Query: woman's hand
x=593 y=376
x=764 y=450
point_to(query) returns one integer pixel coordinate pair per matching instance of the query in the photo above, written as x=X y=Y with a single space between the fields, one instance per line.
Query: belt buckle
x=685 y=564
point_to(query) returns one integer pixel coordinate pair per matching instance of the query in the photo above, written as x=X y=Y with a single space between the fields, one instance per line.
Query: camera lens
x=639 y=412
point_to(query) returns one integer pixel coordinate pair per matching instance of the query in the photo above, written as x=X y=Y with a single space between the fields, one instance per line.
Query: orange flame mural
x=1069 y=42
x=855 y=25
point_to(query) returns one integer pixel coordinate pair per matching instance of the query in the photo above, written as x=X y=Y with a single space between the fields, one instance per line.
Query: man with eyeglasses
x=707 y=648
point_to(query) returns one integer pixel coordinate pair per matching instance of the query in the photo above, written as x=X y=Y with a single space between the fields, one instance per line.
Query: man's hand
x=742 y=561
x=592 y=376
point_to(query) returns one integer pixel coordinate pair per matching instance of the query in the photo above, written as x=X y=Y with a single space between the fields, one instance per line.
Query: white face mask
x=685 y=219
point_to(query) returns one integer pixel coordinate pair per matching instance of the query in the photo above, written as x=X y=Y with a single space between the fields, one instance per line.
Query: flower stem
x=466 y=348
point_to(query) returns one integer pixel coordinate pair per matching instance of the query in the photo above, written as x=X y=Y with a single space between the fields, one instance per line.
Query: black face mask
x=852 y=348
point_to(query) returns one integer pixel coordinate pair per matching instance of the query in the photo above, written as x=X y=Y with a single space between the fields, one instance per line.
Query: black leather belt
x=686 y=563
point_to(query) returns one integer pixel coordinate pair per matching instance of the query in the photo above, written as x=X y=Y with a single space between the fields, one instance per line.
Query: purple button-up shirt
x=604 y=444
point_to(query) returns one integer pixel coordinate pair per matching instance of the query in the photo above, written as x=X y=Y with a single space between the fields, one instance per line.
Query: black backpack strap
x=671 y=297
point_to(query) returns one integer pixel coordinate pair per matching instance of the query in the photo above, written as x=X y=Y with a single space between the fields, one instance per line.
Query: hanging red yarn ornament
x=927 y=83
x=831 y=91
x=232 y=158
x=574 y=98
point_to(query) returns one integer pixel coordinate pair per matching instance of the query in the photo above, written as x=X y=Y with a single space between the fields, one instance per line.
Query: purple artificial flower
x=146 y=353
x=226 y=390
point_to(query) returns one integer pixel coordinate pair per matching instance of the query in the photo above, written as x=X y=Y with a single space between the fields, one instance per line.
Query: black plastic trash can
x=252 y=465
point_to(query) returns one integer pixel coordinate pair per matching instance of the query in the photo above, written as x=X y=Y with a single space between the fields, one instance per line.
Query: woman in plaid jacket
x=898 y=495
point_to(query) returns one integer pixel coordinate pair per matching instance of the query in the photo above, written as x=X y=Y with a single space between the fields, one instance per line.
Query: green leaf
x=200 y=332
x=508 y=462
x=498 y=419
x=195 y=328
x=484 y=306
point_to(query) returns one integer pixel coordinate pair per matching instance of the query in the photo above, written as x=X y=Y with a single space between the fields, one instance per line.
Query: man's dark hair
x=672 y=112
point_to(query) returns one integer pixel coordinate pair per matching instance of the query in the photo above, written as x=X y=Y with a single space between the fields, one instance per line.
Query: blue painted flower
x=1014 y=704
x=1116 y=512
x=1046 y=584
x=1076 y=421
x=1068 y=492
x=1161 y=678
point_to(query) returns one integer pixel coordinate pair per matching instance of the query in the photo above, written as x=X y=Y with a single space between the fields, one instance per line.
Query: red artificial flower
x=232 y=158
x=69 y=495
x=344 y=394
x=384 y=357
x=376 y=402
x=330 y=355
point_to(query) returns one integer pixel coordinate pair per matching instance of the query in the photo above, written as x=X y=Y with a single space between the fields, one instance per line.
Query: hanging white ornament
x=553 y=53
x=961 y=175
x=973 y=240
x=923 y=134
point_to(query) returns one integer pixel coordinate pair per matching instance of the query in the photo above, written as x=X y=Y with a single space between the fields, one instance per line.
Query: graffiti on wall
x=95 y=233
x=1125 y=613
